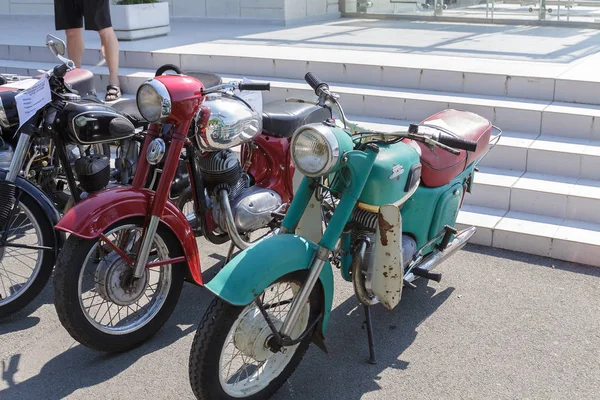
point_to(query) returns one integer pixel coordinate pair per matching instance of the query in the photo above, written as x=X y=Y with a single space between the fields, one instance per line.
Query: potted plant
x=139 y=19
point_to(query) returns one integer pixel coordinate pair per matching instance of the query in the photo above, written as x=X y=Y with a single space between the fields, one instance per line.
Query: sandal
x=112 y=93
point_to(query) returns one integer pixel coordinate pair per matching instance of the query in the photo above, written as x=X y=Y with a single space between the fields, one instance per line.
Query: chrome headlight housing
x=231 y=122
x=153 y=101
x=315 y=150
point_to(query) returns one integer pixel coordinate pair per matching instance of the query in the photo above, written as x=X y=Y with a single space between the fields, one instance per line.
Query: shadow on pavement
x=80 y=367
x=534 y=260
x=344 y=373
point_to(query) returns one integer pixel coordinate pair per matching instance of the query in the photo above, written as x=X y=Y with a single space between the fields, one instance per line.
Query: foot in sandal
x=112 y=93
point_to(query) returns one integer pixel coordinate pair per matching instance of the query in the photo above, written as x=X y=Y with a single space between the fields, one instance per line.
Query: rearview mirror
x=56 y=45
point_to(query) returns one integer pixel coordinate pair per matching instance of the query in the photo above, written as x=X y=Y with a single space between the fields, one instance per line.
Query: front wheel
x=230 y=358
x=25 y=266
x=98 y=301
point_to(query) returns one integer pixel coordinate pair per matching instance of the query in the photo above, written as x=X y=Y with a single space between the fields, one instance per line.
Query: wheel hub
x=114 y=281
x=253 y=333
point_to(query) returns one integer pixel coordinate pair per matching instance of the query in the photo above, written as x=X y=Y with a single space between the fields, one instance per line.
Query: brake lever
x=435 y=143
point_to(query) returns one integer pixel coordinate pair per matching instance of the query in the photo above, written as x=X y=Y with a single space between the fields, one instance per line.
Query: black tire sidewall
x=48 y=258
x=206 y=350
x=66 y=295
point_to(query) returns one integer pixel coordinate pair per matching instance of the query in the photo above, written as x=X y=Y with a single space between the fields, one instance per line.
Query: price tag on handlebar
x=33 y=99
x=254 y=98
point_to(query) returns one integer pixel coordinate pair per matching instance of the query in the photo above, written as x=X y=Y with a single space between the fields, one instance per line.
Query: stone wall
x=276 y=10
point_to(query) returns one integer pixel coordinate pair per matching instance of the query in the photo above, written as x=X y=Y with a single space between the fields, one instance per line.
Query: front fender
x=93 y=215
x=44 y=202
x=255 y=268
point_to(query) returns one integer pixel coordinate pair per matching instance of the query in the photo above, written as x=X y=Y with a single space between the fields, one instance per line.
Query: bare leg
x=75 y=45
x=110 y=51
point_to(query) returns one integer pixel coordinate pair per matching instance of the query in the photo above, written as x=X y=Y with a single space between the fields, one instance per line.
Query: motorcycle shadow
x=80 y=367
x=23 y=319
x=345 y=373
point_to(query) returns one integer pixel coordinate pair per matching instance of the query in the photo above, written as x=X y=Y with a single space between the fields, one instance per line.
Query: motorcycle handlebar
x=315 y=83
x=60 y=70
x=457 y=143
x=255 y=86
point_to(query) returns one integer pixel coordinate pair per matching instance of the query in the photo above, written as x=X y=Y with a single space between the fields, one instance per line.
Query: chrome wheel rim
x=16 y=276
x=246 y=365
x=107 y=301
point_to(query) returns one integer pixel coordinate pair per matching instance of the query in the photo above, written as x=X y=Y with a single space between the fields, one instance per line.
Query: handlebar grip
x=457 y=143
x=255 y=86
x=60 y=70
x=168 y=67
x=315 y=82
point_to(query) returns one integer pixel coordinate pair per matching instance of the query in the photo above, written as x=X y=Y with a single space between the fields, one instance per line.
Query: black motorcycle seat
x=129 y=108
x=281 y=118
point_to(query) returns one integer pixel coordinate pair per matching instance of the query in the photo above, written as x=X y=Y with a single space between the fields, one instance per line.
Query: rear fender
x=45 y=203
x=255 y=268
x=93 y=215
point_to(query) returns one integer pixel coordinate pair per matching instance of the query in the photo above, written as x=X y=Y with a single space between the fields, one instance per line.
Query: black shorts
x=69 y=14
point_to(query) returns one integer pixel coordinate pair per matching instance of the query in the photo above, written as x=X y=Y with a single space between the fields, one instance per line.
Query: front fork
x=160 y=197
x=360 y=164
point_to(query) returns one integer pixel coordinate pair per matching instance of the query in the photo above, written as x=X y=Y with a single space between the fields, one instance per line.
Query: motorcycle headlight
x=315 y=150
x=153 y=101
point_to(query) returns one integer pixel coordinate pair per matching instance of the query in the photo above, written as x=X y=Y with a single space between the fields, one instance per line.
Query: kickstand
x=370 y=335
x=229 y=253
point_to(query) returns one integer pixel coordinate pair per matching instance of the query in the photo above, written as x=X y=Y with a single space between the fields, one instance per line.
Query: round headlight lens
x=315 y=150
x=153 y=101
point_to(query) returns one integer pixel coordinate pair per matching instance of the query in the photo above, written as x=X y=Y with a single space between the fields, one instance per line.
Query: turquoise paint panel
x=389 y=174
x=419 y=212
x=255 y=268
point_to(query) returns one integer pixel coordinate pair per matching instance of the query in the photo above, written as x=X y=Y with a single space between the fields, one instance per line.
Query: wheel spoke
x=105 y=263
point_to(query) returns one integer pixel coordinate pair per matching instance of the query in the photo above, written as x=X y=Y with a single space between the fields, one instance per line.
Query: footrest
x=433 y=276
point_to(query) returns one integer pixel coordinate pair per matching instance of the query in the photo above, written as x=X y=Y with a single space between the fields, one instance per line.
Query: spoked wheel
x=24 y=266
x=185 y=202
x=230 y=356
x=98 y=301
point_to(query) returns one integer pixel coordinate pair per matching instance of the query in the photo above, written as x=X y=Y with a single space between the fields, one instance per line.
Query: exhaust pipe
x=460 y=240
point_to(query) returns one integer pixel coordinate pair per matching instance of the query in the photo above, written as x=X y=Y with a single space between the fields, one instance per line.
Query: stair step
x=511 y=114
x=531 y=80
x=563 y=239
x=548 y=195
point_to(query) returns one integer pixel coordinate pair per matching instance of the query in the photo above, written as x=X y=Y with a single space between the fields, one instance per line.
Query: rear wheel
x=24 y=271
x=98 y=301
x=230 y=358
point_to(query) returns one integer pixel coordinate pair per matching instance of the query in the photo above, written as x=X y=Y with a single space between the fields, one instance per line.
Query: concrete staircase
x=538 y=190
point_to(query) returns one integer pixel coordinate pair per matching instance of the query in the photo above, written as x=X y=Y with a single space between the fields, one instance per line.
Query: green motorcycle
x=389 y=203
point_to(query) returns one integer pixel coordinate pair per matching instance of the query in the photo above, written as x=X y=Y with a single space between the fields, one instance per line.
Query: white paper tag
x=254 y=98
x=33 y=99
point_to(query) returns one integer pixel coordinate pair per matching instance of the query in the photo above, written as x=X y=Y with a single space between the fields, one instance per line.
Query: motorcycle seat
x=440 y=167
x=281 y=118
x=129 y=108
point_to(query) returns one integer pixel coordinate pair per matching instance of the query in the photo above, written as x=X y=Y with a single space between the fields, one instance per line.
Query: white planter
x=139 y=21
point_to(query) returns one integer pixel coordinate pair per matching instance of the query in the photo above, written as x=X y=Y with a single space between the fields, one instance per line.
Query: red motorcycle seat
x=439 y=167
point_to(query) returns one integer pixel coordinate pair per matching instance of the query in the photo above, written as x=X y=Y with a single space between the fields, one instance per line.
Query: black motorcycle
x=69 y=137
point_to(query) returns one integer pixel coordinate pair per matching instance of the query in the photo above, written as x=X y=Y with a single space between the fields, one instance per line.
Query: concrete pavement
x=500 y=325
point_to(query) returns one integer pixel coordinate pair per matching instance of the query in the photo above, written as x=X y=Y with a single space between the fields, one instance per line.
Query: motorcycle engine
x=251 y=206
x=365 y=225
x=93 y=172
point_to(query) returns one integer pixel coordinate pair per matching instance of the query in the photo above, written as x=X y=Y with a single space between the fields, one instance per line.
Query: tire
x=41 y=274
x=185 y=198
x=68 y=277
x=211 y=337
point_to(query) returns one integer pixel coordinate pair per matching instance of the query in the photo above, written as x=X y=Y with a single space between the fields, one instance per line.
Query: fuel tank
x=88 y=122
x=8 y=108
x=396 y=173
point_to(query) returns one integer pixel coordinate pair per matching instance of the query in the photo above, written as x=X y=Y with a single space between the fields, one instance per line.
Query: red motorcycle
x=121 y=271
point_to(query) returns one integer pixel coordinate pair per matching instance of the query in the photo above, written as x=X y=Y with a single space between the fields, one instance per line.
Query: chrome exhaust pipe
x=428 y=264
